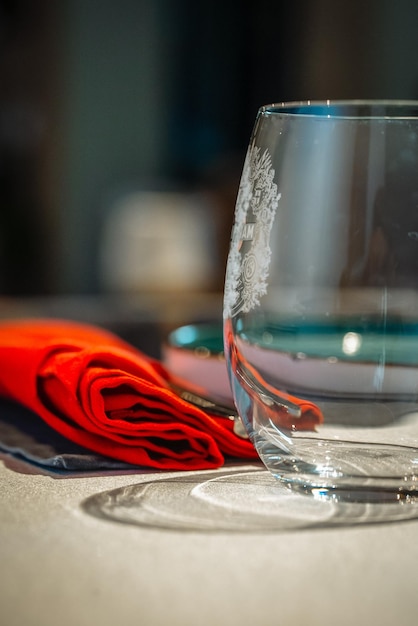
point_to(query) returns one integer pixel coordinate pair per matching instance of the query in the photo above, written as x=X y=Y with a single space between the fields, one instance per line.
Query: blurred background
x=123 y=125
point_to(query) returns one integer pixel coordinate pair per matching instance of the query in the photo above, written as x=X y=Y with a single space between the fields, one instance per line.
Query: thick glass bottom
x=344 y=471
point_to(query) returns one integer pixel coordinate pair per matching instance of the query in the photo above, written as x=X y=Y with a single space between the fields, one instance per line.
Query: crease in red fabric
x=102 y=393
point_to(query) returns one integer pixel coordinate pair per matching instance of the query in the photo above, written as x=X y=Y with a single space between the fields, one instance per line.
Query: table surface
x=68 y=555
x=62 y=564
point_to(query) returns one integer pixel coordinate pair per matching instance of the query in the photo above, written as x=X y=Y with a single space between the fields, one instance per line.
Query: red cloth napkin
x=100 y=392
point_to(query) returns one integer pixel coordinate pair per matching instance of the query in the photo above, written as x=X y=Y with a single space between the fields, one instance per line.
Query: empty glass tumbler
x=321 y=297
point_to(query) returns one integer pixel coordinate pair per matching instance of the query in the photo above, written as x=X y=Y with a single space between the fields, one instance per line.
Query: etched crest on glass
x=250 y=254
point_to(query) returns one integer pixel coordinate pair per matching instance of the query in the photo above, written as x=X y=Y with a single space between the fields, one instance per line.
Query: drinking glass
x=321 y=298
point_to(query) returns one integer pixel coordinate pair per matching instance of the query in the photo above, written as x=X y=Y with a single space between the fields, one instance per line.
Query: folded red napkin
x=100 y=392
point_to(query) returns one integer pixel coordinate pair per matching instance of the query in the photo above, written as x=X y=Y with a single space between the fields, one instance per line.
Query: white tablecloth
x=62 y=565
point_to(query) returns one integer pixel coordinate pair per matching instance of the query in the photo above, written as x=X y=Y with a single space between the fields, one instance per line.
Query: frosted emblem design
x=250 y=253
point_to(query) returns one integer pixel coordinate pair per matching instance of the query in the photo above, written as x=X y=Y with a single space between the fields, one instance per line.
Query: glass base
x=345 y=471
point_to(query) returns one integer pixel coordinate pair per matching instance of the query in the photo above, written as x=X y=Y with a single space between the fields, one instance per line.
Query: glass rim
x=345 y=109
